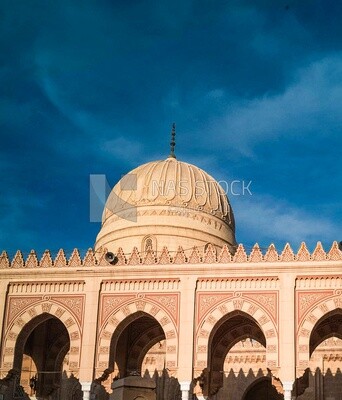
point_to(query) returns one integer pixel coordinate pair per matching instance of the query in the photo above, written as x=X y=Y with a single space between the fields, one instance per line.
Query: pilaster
x=287 y=348
x=186 y=329
x=92 y=288
x=3 y=294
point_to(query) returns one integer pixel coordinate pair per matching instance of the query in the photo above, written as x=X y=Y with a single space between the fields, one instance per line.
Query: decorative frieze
x=318 y=281
x=45 y=287
x=124 y=285
x=243 y=282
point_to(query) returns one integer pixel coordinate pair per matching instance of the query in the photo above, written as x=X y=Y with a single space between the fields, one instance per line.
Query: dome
x=166 y=203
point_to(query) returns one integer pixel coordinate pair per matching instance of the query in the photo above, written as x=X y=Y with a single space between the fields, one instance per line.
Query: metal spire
x=173 y=141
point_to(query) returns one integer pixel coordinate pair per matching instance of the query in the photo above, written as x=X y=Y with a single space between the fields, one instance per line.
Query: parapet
x=204 y=255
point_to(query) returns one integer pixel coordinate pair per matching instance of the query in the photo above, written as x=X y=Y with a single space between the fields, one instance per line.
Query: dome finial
x=173 y=141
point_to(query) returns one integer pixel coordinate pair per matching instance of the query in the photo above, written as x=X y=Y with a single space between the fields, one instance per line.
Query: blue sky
x=255 y=88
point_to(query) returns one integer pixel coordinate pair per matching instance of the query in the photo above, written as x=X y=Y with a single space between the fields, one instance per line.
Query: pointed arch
x=252 y=309
x=319 y=312
x=45 y=308
x=118 y=319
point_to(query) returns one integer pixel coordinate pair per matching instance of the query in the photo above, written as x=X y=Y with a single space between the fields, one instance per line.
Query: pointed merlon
x=173 y=141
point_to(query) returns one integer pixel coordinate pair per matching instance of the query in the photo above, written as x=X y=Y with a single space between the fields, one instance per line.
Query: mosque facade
x=167 y=294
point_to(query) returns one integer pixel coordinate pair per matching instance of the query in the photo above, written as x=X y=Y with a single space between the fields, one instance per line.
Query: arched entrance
x=138 y=347
x=323 y=378
x=131 y=341
x=239 y=331
x=262 y=389
x=46 y=341
x=327 y=326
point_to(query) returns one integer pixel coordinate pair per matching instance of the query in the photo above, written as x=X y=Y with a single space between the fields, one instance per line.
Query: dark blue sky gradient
x=255 y=88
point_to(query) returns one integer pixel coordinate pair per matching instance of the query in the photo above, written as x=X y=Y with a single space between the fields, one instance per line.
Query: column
x=287 y=385
x=86 y=390
x=185 y=389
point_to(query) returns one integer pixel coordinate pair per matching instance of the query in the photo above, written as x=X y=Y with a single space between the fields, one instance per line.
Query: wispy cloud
x=268 y=219
x=122 y=148
x=311 y=105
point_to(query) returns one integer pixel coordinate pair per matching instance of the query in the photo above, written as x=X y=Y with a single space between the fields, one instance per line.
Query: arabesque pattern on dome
x=170 y=183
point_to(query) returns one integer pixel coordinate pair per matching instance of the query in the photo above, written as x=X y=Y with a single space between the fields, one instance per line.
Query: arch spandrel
x=16 y=323
x=126 y=310
x=329 y=303
x=243 y=305
x=208 y=301
x=110 y=303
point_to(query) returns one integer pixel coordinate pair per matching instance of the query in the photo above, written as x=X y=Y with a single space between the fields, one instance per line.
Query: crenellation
x=195 y=256
x=287 y=254
x=180 y=257
x=18 y=260
x=334 y=254
x=303 y=253
x=60 y=259
x=121 y=257
x=271 y=254
x=75 y=259
x=32 y=260
x=209 y=256
x=46 y=260
x=256 y=254
x=164 y=257
x=4 y=260
x=225 y=255
x=135 y=257
x=319 y=253
x=240 y=256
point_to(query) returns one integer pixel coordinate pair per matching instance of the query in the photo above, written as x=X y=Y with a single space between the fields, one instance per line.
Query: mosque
x=168 y=306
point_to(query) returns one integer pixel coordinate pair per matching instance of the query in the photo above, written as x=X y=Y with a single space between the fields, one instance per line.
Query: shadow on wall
x=319 y=385
x=243 y=385
x=10 y=387
x=239 y=384
x=167 y=387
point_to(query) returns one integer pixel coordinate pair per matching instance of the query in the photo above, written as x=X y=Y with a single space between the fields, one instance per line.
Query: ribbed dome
x=177 y=203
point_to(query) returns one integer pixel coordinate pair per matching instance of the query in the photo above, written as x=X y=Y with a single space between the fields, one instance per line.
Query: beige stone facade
x=203 y=319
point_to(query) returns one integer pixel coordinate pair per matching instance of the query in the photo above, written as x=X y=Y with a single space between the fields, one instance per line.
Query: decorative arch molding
x=321 y=303
x=163 y=307
x=21 y=310
x=261 y=307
